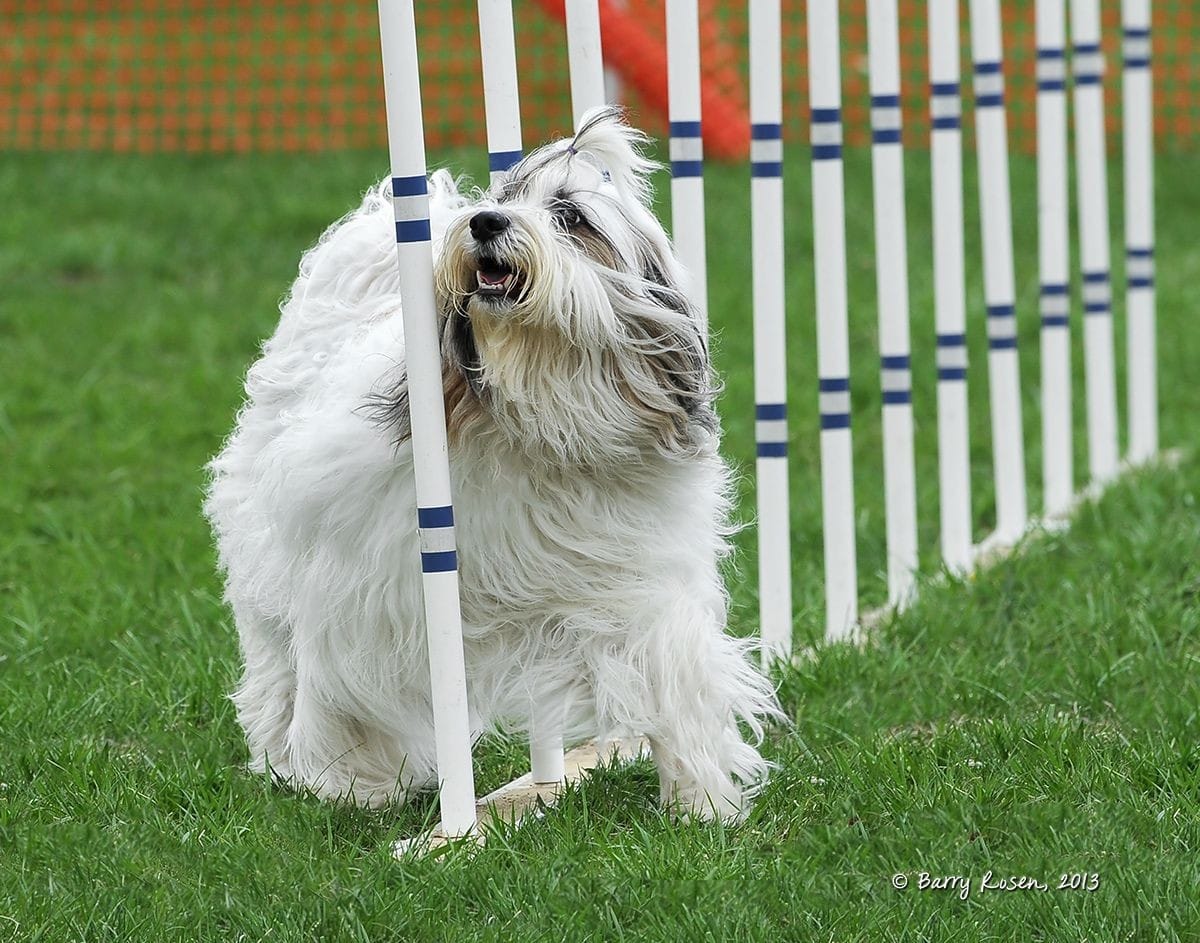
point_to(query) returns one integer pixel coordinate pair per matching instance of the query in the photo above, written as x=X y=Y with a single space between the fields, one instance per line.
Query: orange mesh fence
x=295 y=75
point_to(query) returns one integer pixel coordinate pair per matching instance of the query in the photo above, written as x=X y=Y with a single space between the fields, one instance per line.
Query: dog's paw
x=725 y=802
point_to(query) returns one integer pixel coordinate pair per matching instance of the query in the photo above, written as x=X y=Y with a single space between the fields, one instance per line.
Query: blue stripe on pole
x=826 y=151
x=436 y=516
x=987 y=68
x=885 y=101
x=766 y=131
x=894 y=361
x=1141 y=283
x=1137 y=48
x=1095 y=278
x=412 y=230
x=950 y=374
x=1054 y=320
x=1084 y=75
x=685 y=129
x=772 y=449
x=687 y=168
x=944 y=106
x=826 y=115
x=886 y=136
x=409 y=186
x=766 y=168
x=989 y=101
x=833 y=384
x=1096 y=307
x=951 y=340
x=1054 y=290
x=1051 y=52
x=502 y=160
x=770 y=411
x=835 y=420
x=1002 y=343
x=441 y=562
x=1140 y=253
x=1051 y=85
x=1001 y=311
x=896 y=397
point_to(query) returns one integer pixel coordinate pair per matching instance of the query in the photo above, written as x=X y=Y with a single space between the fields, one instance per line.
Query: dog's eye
x=568 y=216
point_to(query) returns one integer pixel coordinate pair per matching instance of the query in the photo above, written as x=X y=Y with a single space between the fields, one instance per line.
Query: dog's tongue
x=497 y=279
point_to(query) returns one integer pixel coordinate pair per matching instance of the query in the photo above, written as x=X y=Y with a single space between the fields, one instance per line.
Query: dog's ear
x=616 y=149
x=665 y=370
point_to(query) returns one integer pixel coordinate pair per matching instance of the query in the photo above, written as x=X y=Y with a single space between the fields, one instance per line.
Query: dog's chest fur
x=535 y=541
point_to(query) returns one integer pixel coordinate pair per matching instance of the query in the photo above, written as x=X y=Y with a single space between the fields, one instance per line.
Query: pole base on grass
x=522 y=798
x=994 y=548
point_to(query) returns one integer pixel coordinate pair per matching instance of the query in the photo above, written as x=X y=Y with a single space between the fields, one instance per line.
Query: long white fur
x=591 y=512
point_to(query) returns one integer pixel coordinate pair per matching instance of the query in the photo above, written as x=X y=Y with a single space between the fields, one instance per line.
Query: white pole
x=991 y=139
x=435 y=515
x=503 y=116
x=770 y=357
x=613 y=89
x=949 y=299
x=891 y=268
x=1058 y=477
x=1092 y=183
x=501 y=101
x=833 y=356
x=584 y=56
x=687 y=149
x=1139 y=231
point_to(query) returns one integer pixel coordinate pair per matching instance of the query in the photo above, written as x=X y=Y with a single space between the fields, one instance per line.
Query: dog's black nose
x=488 y=225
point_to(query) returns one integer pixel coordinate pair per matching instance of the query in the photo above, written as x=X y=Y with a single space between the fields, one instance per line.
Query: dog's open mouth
x=497 y=279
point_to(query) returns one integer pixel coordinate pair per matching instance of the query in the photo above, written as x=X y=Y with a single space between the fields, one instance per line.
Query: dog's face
x=564 y=316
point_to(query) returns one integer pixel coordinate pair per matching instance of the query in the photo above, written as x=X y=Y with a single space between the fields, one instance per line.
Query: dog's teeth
x=499 y=285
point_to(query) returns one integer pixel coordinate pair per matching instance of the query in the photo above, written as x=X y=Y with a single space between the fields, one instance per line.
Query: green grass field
x=1039 y=720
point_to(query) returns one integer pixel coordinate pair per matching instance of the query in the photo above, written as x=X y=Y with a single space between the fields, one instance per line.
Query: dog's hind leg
x=338 y=756
x=265 y=697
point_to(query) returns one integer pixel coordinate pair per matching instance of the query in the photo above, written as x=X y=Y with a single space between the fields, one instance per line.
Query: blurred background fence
x=304 y=75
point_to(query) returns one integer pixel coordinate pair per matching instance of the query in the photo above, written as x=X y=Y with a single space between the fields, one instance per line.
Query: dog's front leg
x=686 y=684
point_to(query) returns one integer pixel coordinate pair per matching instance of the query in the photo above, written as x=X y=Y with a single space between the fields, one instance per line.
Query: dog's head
x=565 y=319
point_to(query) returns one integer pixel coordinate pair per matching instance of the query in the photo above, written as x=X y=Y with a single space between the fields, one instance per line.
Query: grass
x=1039 y=720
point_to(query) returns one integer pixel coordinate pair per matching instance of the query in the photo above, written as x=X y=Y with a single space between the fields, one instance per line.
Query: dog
x=591 y=502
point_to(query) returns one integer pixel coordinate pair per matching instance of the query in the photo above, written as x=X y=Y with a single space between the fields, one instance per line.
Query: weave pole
x=891 y=272
x=1091 y=179
x=1138 y=148
x=614 y=88
x=431 y=468
x=770 y=353
x=949 y=298
x=502 y=109
x=833 y=356
x=1058 y=477
x=687 y=147
x=991 y=140
x=585 y=60
x=501 y=100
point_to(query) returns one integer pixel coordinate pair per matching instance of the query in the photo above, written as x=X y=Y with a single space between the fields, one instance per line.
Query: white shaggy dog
x=590 y=500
